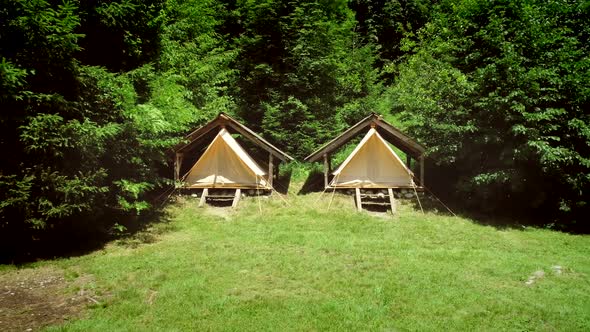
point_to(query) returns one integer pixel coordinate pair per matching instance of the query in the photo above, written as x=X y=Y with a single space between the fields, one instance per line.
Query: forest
x=94 y=94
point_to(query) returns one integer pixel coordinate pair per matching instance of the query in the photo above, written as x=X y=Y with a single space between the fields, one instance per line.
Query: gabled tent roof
x=372 y=164
x=389 y=132
x=223 y=120
x=225 y=164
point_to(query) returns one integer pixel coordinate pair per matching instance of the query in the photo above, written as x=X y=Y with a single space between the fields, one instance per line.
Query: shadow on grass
x=313 y=183
x=282 y=182
x=448 y=207
x=74 y=238
x=384 y=209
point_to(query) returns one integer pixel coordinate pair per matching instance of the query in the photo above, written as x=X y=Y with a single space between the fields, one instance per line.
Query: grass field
x=303 y=267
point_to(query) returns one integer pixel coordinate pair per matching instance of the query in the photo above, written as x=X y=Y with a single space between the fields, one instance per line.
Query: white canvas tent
x=372 y=164
x=387 y=132
x=225 y=164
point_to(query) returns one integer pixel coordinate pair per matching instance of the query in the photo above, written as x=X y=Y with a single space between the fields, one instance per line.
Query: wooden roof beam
x=396 y=137
x=225 y=120
x=337 y=142
x=259 y=141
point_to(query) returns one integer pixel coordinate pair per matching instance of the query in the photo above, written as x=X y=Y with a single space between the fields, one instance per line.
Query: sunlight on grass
x=304 y=267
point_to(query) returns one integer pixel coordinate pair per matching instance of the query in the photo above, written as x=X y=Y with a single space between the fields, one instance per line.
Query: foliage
x=304 y=75
x=196 y=58
x=499 y=93
x=120 y=35
x=390 y=25
x=94 y=94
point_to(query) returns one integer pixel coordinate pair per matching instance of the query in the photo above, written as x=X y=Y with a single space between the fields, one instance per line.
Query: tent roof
x=389 y=132
x=196 y=137
x=225 y=164
x=372 y=132
x=372 y=164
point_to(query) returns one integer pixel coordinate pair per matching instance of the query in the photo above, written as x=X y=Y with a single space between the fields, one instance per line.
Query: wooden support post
x=176 y=168
x=237 y=196
x=177 y=165
x=359 y=203
x=409 y=161
x=326 y=170
x=422 y=171
x=271 y=169
x=203 y=197
x=391 y=200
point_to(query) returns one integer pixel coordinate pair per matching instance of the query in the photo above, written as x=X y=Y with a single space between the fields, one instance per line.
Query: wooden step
x=359 y=199
x=235 y=198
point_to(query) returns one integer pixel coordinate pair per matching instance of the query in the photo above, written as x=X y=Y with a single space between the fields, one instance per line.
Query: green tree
x=93 y=97
x=386 y=23
x=498 y=91
x=304 y=72
x=79 y=149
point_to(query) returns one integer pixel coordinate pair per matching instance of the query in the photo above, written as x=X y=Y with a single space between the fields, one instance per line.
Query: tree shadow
x=313 y=183
x=282 y=182
x=74 y=239
x=430 y=203
x=384 y=209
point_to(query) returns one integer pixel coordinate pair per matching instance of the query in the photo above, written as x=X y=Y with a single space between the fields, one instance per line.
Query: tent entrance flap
x=372 y=164
x=225 y=164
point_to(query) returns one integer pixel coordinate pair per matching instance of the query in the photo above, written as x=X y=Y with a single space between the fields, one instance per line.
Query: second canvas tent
x=373 y=168
x=372 y=164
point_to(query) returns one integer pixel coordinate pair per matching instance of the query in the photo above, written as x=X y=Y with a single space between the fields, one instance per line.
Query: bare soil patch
x=33 y=298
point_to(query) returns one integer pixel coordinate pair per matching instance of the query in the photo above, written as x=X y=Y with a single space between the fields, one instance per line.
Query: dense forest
x=93 y=95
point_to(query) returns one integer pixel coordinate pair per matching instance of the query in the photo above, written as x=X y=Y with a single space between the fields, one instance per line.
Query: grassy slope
x=305 y=268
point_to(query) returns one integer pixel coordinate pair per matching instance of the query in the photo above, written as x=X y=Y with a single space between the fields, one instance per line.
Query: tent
x=372 y=164
x=225 y=164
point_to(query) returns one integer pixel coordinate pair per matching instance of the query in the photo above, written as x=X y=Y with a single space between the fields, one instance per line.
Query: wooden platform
x=219 y=196
x=227 y=194
x=418 y=188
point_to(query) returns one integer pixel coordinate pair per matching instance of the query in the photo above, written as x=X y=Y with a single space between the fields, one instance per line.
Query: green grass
x=303 y=267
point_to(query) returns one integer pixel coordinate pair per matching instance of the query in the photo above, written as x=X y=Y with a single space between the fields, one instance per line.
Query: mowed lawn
x=303 y=267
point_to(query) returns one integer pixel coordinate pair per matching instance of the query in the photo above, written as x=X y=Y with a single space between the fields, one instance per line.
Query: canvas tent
x=373 y=169
x=372 y=164
x=225 y=164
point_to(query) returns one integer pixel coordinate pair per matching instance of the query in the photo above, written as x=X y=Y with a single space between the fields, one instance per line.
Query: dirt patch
x=33 y=298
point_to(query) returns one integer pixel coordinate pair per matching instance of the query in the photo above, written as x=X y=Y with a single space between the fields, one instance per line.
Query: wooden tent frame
x=197 y=138
x=391 y=134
